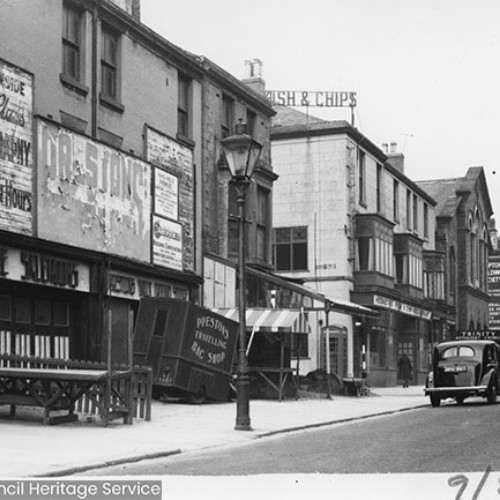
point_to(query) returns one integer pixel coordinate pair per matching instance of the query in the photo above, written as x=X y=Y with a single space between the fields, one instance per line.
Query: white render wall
x=312 y=190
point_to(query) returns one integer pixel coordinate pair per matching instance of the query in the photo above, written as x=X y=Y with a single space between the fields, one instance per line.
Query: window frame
x=293 y=244
x=73 y=80
x=362 y=177
x=184 y=96
x=110 y=65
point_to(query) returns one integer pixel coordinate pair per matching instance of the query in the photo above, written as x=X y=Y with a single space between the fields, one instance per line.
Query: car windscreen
x=461 y=351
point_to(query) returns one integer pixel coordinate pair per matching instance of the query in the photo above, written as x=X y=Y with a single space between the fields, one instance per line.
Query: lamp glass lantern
x=242 y=153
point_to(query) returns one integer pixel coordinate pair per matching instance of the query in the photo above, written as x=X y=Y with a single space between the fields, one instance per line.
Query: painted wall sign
x=175 y=159
x=396 y=305
x=322 y=99
x=16 y=155
x=166 y=194
x=43 y=269
x=167 y=243
x=92 y=196
x=136 y=287
x=494 y=278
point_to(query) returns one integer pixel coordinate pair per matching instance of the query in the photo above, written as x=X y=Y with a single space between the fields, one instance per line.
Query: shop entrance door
x=337 y=347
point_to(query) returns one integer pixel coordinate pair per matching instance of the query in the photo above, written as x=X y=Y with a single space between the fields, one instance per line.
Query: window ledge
x=186 y=140
x=73 y=84
x=111 y=103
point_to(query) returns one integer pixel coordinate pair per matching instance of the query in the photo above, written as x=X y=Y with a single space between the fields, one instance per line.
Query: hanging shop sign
x=322 y=99
x=173 y=197
x=396 y=305
x=42 y=269
x=99 y=195
x=135 y=287
x=16 y=152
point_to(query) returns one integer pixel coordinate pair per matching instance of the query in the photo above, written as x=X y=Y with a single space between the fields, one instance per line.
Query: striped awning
x=274 y=320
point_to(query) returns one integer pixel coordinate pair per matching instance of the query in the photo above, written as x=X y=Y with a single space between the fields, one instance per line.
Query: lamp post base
x=243 y=403
x=244 y=425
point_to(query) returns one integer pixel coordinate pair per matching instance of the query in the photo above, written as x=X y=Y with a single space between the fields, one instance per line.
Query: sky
x=426 y=72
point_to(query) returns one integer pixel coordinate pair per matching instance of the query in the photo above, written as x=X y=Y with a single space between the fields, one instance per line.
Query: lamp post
x=242 y=153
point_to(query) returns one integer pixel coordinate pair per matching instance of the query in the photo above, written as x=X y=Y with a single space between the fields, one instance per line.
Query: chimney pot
x=393 y=147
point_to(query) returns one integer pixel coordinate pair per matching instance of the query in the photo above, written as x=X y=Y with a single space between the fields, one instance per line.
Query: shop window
x=42 y=312
x=290 y=248
x=61 y=314
x=5 y=308
x=183 y=108
x=23 y=310
x=72 y=43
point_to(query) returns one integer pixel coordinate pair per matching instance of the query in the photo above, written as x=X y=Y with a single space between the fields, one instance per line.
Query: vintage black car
x=464 y=368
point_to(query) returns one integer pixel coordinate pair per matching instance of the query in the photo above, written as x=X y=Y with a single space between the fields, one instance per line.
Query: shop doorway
x=337 y=347
x=408 y=347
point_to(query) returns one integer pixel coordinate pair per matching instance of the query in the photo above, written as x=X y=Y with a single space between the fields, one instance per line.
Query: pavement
x=31 y=449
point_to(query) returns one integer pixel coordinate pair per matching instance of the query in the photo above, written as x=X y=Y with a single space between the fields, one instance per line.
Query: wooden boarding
x=60 y=389
x=283 y=377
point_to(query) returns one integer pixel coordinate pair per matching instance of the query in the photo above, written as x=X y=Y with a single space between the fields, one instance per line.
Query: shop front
x=401 y=329
x=44 y=303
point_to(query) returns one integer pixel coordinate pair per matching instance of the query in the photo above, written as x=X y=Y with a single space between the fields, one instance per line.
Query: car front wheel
x=435 y=401
x=491 y=396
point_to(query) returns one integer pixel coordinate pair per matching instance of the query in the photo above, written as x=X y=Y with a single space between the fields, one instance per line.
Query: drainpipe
x=93 y=90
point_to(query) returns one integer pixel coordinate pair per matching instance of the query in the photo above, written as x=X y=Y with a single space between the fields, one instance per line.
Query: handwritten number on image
x=463 y=481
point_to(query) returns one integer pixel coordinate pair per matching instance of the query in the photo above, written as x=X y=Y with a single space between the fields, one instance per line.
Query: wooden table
x=59 y=389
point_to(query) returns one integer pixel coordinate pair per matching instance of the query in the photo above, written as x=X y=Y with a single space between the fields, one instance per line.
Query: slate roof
x=449 y=192
x=289 y=117
x=444 y=192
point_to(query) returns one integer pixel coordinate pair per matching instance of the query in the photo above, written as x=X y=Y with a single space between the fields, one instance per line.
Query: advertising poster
x=16 y=149
x=99 y=195
x=174 y=188
x=167 y=243
x=166 y=194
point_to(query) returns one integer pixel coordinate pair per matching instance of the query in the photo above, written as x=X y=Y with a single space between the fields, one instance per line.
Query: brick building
x=463 y=239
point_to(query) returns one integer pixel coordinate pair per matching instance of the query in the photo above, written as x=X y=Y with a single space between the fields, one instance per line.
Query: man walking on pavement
x=404 y=369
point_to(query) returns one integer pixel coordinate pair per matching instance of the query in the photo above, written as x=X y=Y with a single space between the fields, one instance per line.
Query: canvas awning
x=274 y=320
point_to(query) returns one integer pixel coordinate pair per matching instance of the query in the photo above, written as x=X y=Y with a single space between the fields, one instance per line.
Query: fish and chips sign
x=322 y=99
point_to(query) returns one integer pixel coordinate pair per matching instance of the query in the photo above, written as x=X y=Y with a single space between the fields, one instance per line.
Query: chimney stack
x=133 y=7
x=253 y=76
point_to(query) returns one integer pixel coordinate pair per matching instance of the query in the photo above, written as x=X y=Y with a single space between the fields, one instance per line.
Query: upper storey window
x=227 y=116
x=72 y=41
x=110 y=68
x=183 y=108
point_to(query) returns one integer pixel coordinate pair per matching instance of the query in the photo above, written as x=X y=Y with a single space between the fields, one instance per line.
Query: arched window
x=452 y=274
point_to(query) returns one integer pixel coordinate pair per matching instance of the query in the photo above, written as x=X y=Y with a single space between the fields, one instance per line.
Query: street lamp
x=242 y=153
